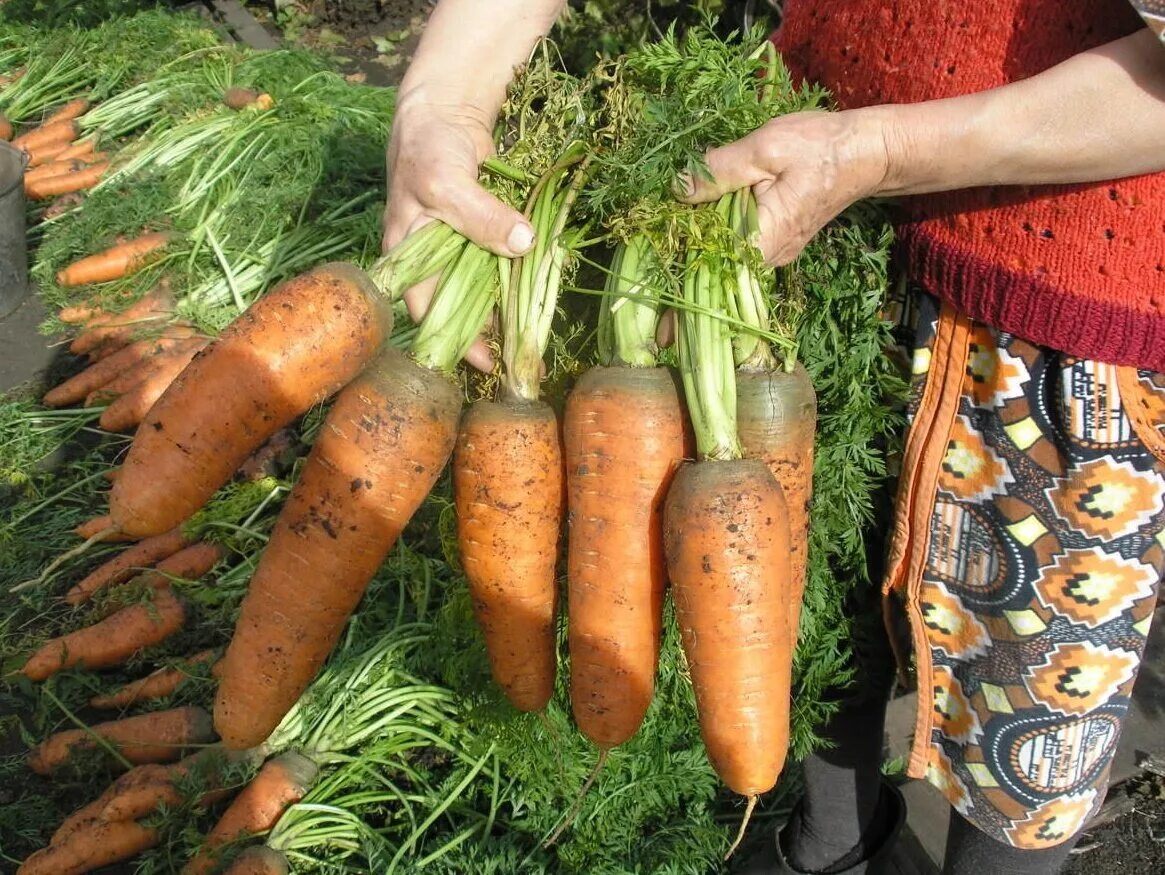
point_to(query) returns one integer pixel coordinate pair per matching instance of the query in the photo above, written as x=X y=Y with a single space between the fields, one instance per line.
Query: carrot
x=156 y=737
x=79 y=180
x=624 y=436
x=192 y=562
x=133 y=377
x=62 y=205
x=380 y=450
x=97 y=375
x=5 y=128
x=292 y=348
x=259 y=860
x=508 y=489
x=87 y=813
x=281 y=782
x=156 y=685
x=59 y=166
x=80 y=149
x=132 y=406
x=115 y=262
x=113 y=640
x=97 y=525
x=118 y=328
x=45 y=155
x=121 y=567
x=777 y=421
x=41 y=136
x=90 y=846
x=69 y=111
x=144 y=789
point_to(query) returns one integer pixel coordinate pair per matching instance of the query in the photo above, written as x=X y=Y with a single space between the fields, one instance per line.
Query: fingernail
x=521 y=239
x=684 y=185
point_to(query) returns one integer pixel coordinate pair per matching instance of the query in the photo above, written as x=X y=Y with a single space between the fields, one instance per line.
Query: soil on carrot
x=1132 y=843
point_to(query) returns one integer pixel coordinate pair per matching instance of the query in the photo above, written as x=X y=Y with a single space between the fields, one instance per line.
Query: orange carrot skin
x=46 y=155
x=123 y=566
x=64 y=130
x=281 y=782
x=157 y=737
x=383 y=445
x=156 y=685
x=92 y=845
x=294 y=347
x=133 y=377
x=115 y=262
x=5 y=128
x=73 y=109
x=509 y=490
x=111 y=641
x=776 y=419
x=80 y=149
x=99 y=524
x=191 y=562
x=624 y=436
x=259 y=860
x=59 y=166
x=143 y=789
x=130 y=408
x=726 y=536
x=67 y=183
x=119 y=328
x=88 y=812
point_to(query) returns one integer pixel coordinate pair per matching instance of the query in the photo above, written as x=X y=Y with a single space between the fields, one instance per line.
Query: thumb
x=727 y=168
x=485 y=220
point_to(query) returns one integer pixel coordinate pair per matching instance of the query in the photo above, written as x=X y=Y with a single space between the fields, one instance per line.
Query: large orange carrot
x=281 y=782
x=118 y=329
x=383 y=445
x=101 y=525
x=624 y=435
x=95 y=376
x=508 y=486
x=291 y=349
x=67 y=183
x=777 y=420
x=113 y=640
x=123 y=566
x=90 y=846
x=131 y=407
x=115 y=262
x=259 y=860
x=37 y=138
x=156 y=685
x=157 y=737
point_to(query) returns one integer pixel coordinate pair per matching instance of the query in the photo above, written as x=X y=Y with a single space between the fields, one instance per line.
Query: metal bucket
x=13 y=240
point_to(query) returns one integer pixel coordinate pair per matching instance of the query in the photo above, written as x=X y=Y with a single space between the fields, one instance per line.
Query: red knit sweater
x=1080 y=268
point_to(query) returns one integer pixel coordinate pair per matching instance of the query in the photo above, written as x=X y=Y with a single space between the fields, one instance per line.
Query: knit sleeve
x=1153 y=11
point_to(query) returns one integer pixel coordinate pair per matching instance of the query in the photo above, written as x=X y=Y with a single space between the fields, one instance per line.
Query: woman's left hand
x=804 y=168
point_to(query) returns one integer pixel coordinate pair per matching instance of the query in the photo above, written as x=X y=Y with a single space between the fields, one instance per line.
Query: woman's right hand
x=434 y=155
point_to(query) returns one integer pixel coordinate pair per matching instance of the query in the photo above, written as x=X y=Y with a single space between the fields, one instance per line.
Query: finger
x=665 y=332
x=477 y=214
x=418 y=297
x=729 y=168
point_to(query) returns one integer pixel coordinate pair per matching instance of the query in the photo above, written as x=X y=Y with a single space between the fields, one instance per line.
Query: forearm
x=469 y=49
x=1099 y=115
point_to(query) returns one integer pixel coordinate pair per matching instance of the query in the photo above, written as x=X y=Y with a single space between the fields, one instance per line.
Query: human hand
x=804 y=169
x=433 y=159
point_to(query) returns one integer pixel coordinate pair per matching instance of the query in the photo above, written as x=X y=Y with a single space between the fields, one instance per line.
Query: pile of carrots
x=58 y=162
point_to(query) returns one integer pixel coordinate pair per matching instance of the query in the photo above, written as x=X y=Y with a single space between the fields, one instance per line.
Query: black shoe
x=770 y=858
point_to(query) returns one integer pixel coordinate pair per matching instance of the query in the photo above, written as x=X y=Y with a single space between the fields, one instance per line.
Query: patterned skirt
x=1028 y=543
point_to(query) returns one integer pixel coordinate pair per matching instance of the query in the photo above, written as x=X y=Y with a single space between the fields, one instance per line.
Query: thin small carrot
x=118 y=329
x=113 y=640
x=59 y=166
x=143 y=554
x=192 y=562
x=259 y=860
x=80 y=149
x=5 y=128
x=115 y=262
x=281 y=782
x=157 y=737
x=99 y=524
x=86 y=812
x=135 y=376
x=206 y=771
x=72 y=110
x=39 y=137
x=80 y=180
x=95 y=376
x=90 y=846
x=157 y=685
x=131 y=407
x=45 y=155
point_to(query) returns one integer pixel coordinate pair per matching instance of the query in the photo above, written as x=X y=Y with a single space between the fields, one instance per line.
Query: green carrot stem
x=630 y=312
x=422 y=254
x=464 y=297
x=748 y=304
x=704 y=346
